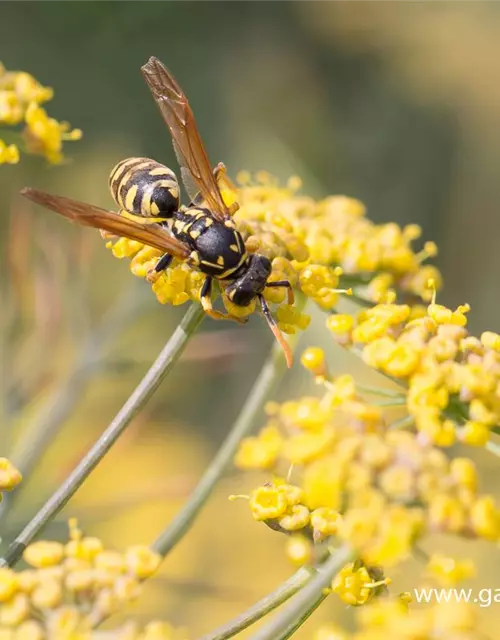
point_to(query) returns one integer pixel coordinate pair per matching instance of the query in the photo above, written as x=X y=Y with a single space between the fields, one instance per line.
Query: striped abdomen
x=145 y=188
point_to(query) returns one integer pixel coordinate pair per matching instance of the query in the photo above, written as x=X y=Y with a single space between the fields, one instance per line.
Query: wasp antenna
x=277 y=333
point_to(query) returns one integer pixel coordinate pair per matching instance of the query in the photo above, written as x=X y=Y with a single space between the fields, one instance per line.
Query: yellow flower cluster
x=10 y=477
x=360 y=479
x=335 y=233
x=450 y=379
x=70 y=587
x=20 y=99
x=357 y=584
x=390 y=619
x=321 y=247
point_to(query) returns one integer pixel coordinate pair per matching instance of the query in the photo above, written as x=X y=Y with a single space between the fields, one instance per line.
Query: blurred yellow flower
x=73 y=587
x=10 y=477
x=20 y=98
x=44 y=135
x=9 y=153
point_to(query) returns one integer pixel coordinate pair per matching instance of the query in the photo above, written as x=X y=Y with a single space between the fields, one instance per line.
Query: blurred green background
x=397 y=104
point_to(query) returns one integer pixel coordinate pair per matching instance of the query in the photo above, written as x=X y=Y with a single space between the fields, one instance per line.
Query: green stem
x=376 y=391
x=359 y=279
x=51 y=416
x=261 y=608
x=264 y=386
x=292 y=628
x=493 y=447
x=306 y=600
x=395 y=402
x=145 y=389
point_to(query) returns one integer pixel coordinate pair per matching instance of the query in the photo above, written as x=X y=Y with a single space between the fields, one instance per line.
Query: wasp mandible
x=203 y=234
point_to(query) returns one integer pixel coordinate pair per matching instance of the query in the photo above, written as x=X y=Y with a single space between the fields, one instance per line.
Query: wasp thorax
x=251 y=282
x=145 y=188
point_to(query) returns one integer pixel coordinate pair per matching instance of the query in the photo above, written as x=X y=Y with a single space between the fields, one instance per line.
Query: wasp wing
x=188 y=145
x=187 y=178
x=91 y=216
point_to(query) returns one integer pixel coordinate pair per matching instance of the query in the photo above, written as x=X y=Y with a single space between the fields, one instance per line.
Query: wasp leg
x=284 y=283
x=197 y=200
x=206 y=303
x=163 y=263
x=220 y=175
x=276 y=331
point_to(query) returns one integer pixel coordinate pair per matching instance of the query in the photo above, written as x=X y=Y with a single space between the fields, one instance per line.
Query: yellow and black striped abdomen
x=145 y=188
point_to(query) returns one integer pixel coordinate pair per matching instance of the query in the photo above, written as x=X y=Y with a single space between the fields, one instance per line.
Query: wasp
x=203 y=234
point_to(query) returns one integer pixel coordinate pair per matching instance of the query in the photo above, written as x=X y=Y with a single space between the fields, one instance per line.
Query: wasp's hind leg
x=206 y=303
x=163 y=263
x=284 y=283
x=221 y=177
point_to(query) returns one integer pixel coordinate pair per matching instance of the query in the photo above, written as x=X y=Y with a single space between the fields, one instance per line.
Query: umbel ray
x=203 y=234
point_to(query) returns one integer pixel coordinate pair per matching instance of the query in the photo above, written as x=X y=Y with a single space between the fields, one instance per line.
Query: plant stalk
x=145 y=389
x=295 y=626
x=268 y=379
x=261 y=608
x=54 y=412
x=308 y=598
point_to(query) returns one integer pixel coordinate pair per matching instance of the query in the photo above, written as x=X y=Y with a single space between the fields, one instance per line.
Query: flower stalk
x=263 y=607
x=145 y=389
x=308 y=598
x=55 y=411
x=265 y=385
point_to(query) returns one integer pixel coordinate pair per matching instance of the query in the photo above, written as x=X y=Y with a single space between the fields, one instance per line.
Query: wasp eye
x=240 y=293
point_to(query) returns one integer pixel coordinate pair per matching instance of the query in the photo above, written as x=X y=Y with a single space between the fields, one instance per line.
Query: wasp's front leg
x=206 y=303
x=284 y=283
x=163 y=263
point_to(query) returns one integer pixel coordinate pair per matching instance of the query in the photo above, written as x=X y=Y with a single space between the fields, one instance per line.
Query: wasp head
x=251 y=281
